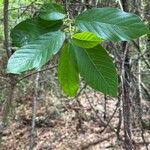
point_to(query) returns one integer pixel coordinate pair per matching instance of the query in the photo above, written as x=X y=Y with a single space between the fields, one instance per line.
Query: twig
x=79 y=93
x=27 y=76
x=88 y=145
x=26 y=9
x=33 y=73
x=112 y=116
x=105 y=106
x=100 y=120
x=139 y=50
x=120 y=4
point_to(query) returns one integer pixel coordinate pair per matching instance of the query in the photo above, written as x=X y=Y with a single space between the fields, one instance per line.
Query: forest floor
x=68 y=126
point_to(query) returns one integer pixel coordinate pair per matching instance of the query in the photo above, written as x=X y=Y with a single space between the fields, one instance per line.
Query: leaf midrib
x=97 y=69
x=87 y=40
x=91 y=22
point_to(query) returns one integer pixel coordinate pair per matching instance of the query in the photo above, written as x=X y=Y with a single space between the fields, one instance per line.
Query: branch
x=33 y=73
x=145 y=89
x=112 y=116
x=100 y=121
x=26 y=8
x=26 y=76
x=120 y=4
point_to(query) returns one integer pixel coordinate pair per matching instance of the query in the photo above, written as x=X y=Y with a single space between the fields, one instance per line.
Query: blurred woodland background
x=41 y=117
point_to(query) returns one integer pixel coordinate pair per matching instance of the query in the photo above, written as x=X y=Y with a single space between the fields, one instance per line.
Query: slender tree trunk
x=34 y=109
x=12 y=78
x=126 y=99
x=8 y=103
x=125 y=72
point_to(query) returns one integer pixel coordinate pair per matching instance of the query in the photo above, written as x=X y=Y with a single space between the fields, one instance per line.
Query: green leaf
x=68 y=72
x=111 y=24
x=86 y=39
x=52 y=11
x=35 y=54
x=97 y=69
x=30 y=29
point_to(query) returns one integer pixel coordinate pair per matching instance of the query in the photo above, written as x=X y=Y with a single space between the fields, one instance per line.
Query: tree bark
x=12 y=78
x=125 y=80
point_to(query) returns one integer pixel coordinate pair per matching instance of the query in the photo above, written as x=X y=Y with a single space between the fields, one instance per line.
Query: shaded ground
x=68 y=126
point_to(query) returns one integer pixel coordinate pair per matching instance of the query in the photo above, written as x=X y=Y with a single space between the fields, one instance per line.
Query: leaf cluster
x=41 y=37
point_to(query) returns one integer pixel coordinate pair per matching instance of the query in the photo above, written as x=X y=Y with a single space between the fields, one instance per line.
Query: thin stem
x=120 y=4
x=34 y=109
x=33 y=73
x=27 y=76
